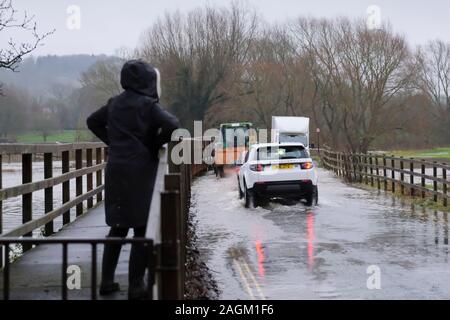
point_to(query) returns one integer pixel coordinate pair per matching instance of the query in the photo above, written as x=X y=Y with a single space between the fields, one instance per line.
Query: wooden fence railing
x=409 y=176
x=82 y=153
x=169 y=213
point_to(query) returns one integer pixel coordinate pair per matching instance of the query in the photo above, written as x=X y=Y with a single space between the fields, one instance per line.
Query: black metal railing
x=65 y=244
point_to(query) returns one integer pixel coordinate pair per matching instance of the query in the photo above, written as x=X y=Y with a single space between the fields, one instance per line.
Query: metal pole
x=64 y=272
x=6 y=274
x=94 y=272
x=151 y=268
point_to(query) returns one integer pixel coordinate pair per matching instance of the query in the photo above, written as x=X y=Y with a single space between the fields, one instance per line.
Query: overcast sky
x=107 y=25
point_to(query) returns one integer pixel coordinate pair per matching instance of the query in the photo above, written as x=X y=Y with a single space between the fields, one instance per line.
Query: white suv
x=277 y=171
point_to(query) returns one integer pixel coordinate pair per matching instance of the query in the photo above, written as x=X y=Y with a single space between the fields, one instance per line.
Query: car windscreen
x=282 y=153
x=235 y=136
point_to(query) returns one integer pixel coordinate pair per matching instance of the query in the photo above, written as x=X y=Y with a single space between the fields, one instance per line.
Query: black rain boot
x=138 y=260
x=111 y=255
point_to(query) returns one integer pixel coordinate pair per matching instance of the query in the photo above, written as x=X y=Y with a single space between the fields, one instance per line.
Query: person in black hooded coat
x=135 y=127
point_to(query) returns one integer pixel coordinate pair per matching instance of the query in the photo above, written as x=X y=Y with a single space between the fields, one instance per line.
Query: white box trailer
x=290 y=129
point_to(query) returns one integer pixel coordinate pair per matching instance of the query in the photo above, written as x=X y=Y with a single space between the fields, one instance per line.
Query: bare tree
x=317 y=45
x=198 y=55
x=263 y=82
x=433 y=78
x=12 y=53
x=357 y=72
x=104 y=78
x=375 y=65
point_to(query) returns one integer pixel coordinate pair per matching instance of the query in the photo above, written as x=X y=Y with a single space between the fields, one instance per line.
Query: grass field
x=62 y=136
x=437 y=153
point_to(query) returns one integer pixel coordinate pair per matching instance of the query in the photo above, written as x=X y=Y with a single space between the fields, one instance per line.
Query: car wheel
x=260 y=202
x=241 y=194
x=249 y=198
x=313 y=197
x=317 y=195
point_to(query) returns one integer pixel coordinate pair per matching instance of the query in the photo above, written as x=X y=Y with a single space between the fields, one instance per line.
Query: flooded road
x=288 y=251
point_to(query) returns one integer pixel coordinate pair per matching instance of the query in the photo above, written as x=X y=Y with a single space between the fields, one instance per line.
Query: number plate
x=283 y=166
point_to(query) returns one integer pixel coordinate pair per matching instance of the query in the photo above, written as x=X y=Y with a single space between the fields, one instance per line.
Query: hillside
x=41 y=75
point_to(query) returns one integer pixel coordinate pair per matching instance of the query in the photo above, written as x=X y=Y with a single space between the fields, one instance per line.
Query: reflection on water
x=310 y=237
x=12 y=208
x=260 y=253
x=324 y=251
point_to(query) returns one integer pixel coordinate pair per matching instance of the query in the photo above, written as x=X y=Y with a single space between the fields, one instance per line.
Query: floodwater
x=356 y=244
x=12 y=208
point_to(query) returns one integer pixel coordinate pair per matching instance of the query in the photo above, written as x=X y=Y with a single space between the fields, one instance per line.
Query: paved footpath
x=37 y=274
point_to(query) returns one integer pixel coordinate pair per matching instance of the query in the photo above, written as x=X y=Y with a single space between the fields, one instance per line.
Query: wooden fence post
x=172 y=167
x=393 y=173
x=27 y=199
x=422 y=179
x=79 y=180
x=337 y=163
x=435 y=185
x=48 y=193
x=99 y=173
x=347 y=166
x=402 y=176
x=170 y=288
x=360 y=169
x=444 y=186
x=89 y=179
x=371 y=169
x=385 y=180
x=65 y=158
x=352 y=156
x=366 y=171
x=411 y=177
x=172 y=182
x=378 y=173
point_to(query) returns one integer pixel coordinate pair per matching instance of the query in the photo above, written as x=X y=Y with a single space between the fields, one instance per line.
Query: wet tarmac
x=356 y=244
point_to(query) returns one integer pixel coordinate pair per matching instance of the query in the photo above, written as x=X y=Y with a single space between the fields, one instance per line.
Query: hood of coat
x=141 y=77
